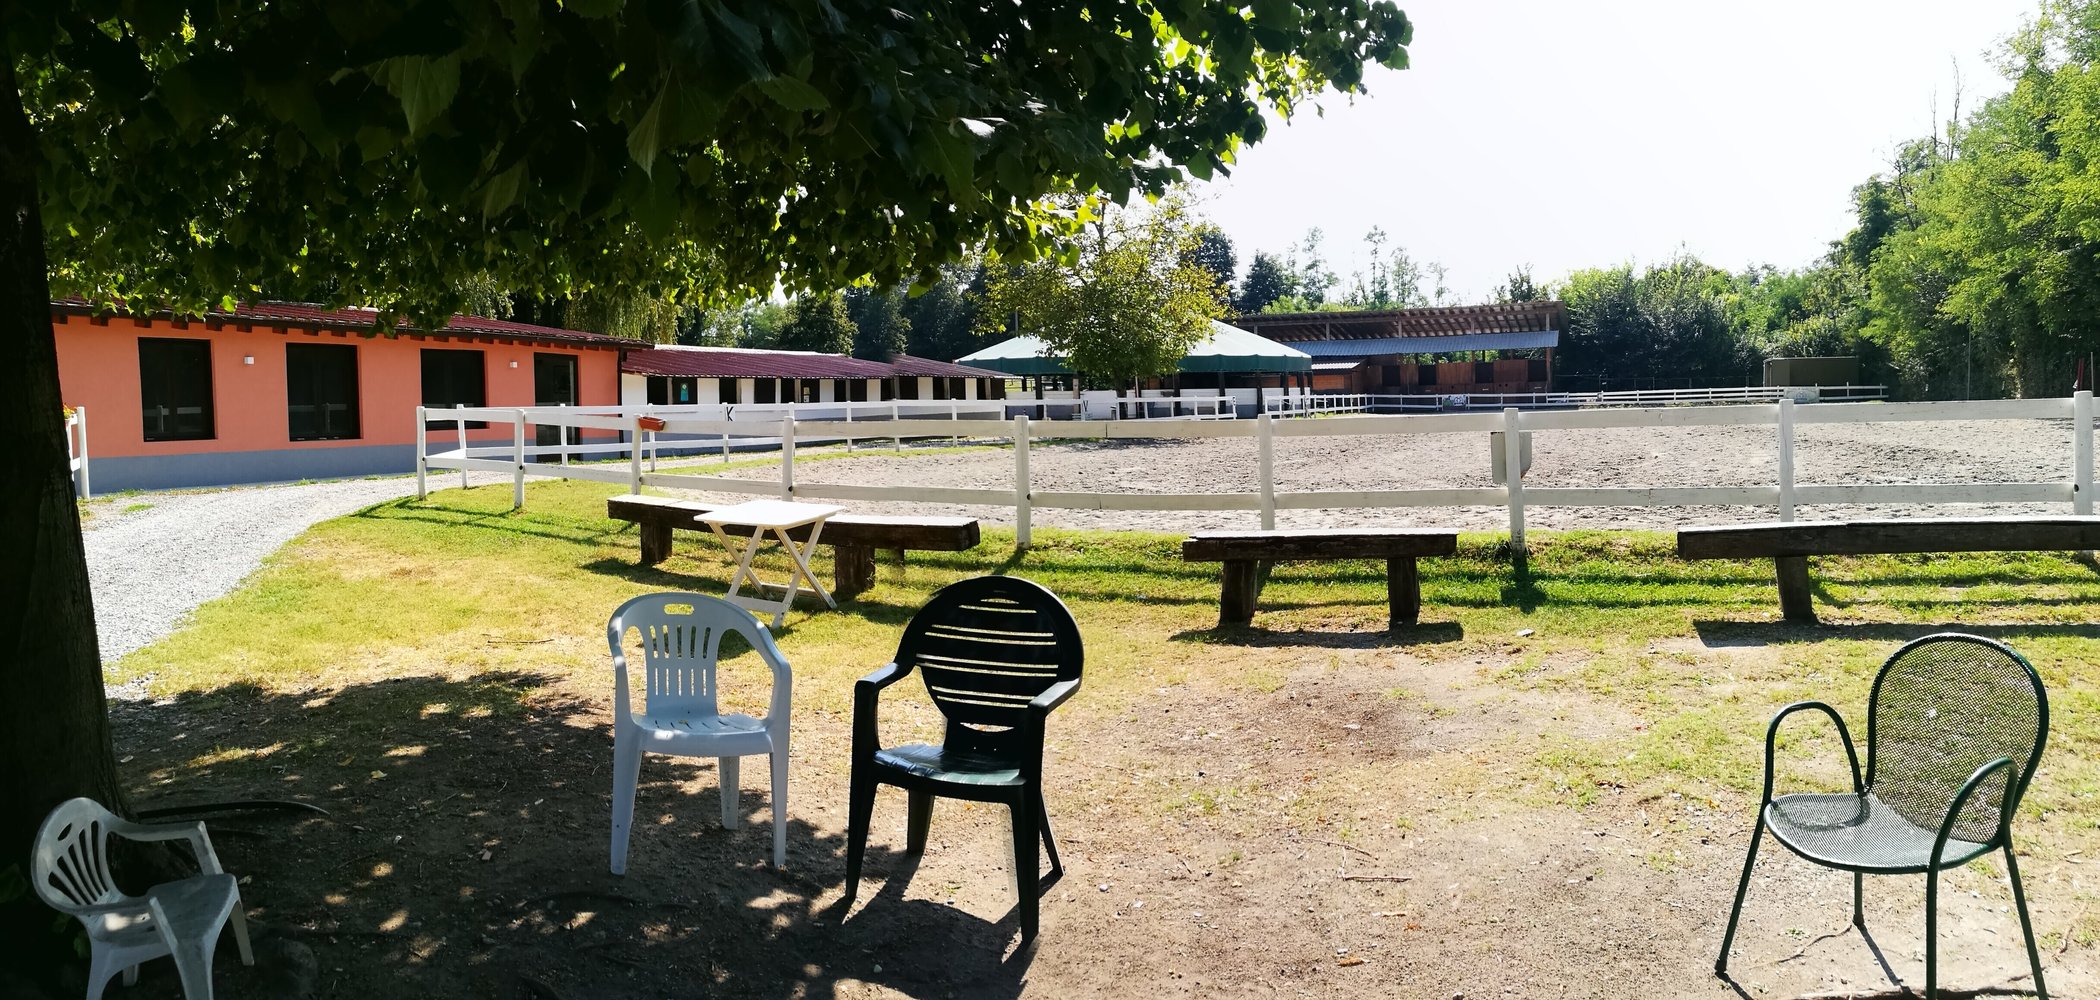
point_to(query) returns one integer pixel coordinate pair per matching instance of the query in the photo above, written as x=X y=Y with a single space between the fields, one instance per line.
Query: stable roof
x=282 y=316
x=1227 y=349
x=729 y=362
x=907 y=365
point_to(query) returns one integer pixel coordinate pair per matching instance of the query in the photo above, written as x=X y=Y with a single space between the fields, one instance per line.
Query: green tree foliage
x=1981 y=252
x=187 y=154
x=817 y=322
x=1519 y=287
x=1664 y=323
x=1311 y=277
x=944 y=316
x=1129 y=307
x=1268 y=279
x=1214 y=253
x=880 y=328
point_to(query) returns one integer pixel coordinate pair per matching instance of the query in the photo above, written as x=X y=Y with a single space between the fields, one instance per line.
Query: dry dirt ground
x=1353 y=823
x=2007 y=451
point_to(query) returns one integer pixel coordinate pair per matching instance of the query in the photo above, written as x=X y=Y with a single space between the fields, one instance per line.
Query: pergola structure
x=1500 y=347
x=1227 y=359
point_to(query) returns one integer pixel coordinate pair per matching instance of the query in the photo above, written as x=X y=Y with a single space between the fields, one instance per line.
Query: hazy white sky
x=1570 y=134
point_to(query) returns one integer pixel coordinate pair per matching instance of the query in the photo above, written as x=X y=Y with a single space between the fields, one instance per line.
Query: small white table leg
x=801 y=556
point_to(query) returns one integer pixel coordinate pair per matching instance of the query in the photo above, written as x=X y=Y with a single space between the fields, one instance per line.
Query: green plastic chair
x=1955 y=725
x=998 y=653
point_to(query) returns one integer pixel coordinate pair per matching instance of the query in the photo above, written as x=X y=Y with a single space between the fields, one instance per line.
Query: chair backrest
x=986 y=647
x=70 y=866
x=681 y=642
x=1943 y=706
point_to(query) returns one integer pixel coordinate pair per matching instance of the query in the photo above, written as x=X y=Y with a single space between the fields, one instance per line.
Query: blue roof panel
x=1375 y=346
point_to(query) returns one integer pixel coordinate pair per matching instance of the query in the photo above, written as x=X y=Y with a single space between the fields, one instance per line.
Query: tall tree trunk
x=54 y=722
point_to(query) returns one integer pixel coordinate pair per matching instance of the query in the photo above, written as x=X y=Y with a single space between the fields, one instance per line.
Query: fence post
x=1264 y=427
x=422 y=455
x=461 y=424
x=1786 y=458
x=1024 y=508
x=849 y=419
x=1513 y=461
x=517 y=444
x=634 y=459
x=787 y=457
x=896 y=414
x=2081 y=451
x=564 y=434
x=80 y=427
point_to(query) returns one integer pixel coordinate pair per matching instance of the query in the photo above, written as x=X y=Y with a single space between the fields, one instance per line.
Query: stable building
x=1228 y=362
x=675 y=375
x=279 y=391
x=1440 y=351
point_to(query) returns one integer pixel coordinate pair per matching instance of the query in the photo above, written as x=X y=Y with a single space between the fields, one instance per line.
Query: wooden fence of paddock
x=1513 y=424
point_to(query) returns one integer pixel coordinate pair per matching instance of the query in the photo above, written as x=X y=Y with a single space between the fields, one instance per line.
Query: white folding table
x=777 y=517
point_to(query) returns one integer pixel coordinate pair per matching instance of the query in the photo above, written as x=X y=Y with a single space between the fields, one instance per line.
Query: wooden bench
x=1789 y=543
x=1247 y=556
x=853 y=537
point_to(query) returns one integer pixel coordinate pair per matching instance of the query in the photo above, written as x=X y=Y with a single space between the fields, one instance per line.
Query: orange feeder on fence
x=649 y=423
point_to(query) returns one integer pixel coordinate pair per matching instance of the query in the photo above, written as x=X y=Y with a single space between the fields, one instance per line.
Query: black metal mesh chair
x=998 y=653
x=1955 y=725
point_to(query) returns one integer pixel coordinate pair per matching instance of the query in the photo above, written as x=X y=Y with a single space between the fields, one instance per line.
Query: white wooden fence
x=77 y=450
x=1783 y=494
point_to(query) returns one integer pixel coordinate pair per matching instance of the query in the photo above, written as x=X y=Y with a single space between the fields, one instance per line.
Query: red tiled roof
x=905 y=364
x=308 y=316
x=717 y=363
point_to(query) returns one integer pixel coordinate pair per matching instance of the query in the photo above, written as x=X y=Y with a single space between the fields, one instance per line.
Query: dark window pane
x=958 y=388
x=175 y=389
x=453 y=378
x=1428 y=374
x=729 y=390
x=659 y=390
x=766 y=390
x=321 y=391
x=1483 y=372
x=684 y=391
x=1536 y=370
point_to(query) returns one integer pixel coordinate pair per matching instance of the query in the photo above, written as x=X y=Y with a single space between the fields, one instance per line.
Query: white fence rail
x=77 y=450
x=1431 y=401
x=1783 y=494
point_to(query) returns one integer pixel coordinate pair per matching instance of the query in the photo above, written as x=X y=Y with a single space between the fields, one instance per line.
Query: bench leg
x=853 y=569
x=1239 y=588
x=1403 y=591
x=656 y=543
x=1795 y=604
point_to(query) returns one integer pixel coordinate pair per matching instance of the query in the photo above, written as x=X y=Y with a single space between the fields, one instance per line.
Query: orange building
x=275 y=392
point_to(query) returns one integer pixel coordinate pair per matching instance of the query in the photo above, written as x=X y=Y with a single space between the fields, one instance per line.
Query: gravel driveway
x=154 y=557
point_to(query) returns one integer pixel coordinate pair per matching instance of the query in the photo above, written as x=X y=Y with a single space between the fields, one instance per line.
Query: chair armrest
x=1961 y=799
x=866 y=693
x=200 y=842
x=1052 y=696
x=1772 y=744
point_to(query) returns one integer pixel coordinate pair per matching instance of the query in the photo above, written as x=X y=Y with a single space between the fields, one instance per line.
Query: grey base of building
x=114 y=474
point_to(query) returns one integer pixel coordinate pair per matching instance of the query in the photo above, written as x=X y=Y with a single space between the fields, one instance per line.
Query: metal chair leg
x=2034 y=957
x=1932 y=935
x=1859 y=913
x=1742 y=889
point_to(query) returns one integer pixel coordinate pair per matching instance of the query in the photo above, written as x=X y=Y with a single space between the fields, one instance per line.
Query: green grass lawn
x=460 y=585
x=1600 y=680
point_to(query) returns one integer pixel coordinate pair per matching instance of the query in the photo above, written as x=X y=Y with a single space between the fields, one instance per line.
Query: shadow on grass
x=465 y=854
x=1723 y=634
x=507 y=522
x=1422 y=634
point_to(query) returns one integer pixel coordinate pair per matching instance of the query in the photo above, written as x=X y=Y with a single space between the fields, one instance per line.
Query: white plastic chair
x=180 y=919
x=681 y=639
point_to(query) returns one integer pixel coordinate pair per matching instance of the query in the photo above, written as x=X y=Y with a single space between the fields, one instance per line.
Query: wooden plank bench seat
x=1247 y=556
x=1789 y=543
x=853 y=537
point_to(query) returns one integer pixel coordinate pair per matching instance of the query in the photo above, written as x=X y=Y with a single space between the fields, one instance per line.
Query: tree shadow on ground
x=1422 y=634
x=464 y=853
x=1724 y=634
